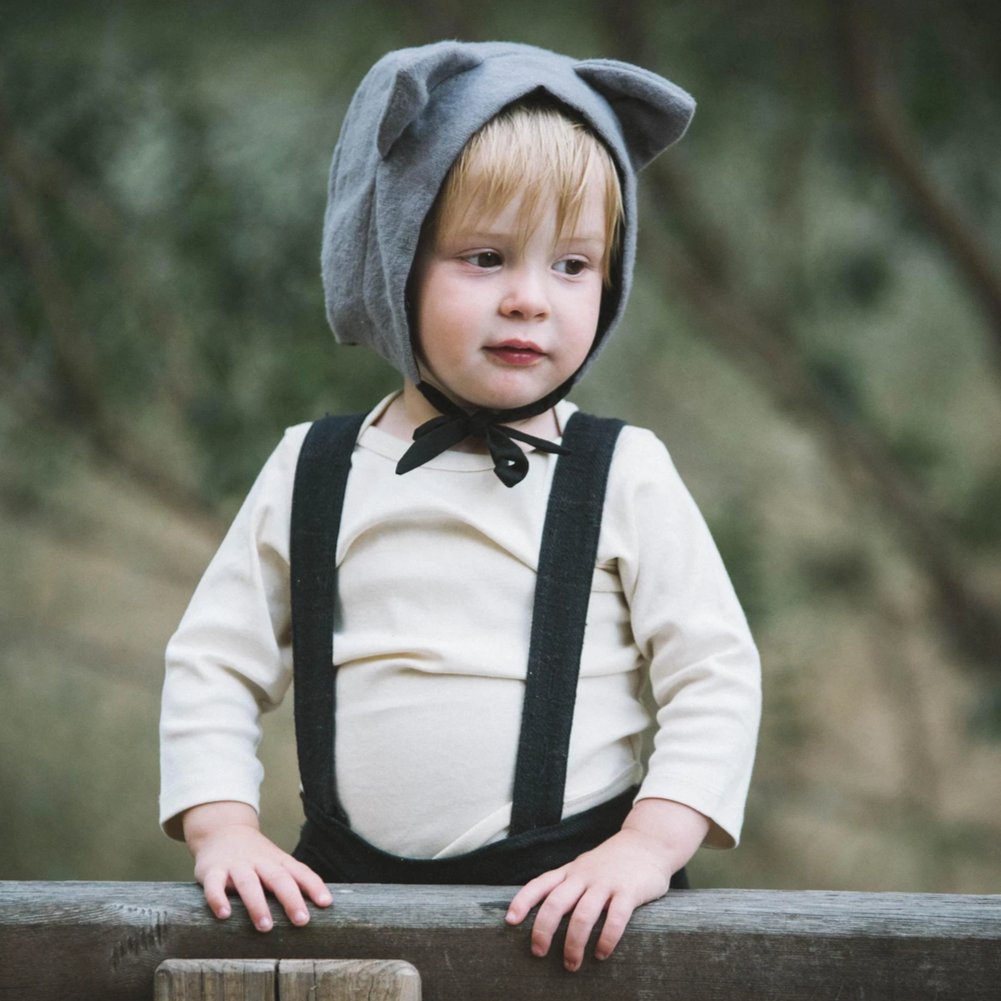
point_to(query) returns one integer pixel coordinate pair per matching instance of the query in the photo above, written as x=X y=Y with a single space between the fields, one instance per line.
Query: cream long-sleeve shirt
x=436 y=581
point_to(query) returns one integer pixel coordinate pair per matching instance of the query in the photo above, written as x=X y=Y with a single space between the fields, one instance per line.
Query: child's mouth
x=517 y=352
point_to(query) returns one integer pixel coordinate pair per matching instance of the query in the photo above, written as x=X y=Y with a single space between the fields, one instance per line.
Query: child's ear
x=417 y=74
x=653 y=112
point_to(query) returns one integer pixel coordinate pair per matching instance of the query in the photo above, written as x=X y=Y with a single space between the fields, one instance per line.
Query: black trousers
x=339 y=855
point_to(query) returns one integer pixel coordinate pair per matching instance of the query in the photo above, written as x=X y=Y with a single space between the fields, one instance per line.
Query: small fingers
x=282 y=884
x=248 y=885
x=531 y=893
x=310 y=882
x=561 y=900
x=585 y=914
x=619 y=913
x=214 y=886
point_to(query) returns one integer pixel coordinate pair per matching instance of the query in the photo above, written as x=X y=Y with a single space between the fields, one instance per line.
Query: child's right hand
x=231 y=852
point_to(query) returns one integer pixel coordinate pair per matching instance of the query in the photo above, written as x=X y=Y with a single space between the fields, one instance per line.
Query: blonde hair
x=536 y=151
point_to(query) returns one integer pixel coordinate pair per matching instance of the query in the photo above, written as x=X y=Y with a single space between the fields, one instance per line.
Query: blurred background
x=815 y=333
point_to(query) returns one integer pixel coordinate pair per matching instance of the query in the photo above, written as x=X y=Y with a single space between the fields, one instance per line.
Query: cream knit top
x=436 y=581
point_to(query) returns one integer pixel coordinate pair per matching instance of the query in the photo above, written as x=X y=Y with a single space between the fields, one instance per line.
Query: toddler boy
x=481 y=578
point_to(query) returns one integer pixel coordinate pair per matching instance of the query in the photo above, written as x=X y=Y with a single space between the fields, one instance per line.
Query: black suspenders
x=559 y=617
x=321 y=476
x=566 y=567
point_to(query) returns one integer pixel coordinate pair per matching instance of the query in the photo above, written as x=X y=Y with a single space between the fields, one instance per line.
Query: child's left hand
x=631 y=868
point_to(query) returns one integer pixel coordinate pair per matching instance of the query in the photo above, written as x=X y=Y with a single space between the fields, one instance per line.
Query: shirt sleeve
x=688 y=624
x=230 y=658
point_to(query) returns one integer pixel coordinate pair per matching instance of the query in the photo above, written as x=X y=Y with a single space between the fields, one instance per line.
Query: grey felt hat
x=407 y=123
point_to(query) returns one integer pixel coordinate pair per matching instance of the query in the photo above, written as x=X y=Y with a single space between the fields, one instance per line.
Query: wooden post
x=295 y=980
x=215 y=980
x=348 y=980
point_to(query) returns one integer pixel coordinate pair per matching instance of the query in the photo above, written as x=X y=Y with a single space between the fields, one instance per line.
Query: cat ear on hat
x=416 y=76
x=653 y=112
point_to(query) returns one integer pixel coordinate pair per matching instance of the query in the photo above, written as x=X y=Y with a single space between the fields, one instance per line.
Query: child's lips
x=517 y=352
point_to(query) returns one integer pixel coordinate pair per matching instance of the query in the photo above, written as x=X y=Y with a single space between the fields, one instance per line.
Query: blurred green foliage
x=823 y=365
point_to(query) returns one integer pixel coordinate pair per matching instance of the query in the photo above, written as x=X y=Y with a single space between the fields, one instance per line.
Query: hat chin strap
x=454 y=425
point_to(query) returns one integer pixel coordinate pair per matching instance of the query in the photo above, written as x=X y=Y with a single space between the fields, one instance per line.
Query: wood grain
x=348 y=980
x=215 y=980
x=288 y=979
x=104 y=940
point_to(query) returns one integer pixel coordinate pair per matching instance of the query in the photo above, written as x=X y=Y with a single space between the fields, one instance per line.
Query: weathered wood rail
x=104 y=940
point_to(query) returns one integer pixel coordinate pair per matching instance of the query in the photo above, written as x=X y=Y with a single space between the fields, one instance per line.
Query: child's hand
x=631 y=868
x=230 y=851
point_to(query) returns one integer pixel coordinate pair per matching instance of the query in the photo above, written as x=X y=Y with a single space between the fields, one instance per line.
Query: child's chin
x=513 y=395
x=504 y=402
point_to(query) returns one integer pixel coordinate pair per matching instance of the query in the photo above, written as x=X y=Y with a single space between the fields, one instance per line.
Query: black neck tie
x=454 y=425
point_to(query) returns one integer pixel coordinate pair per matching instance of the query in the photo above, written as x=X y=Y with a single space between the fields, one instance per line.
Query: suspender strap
x=563 y=587
x=317 y=499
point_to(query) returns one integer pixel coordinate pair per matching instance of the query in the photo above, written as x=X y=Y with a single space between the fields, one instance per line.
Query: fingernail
x=264 y=924
x=601 y=955
x=509 y=916
x=570 y=965
x=537 y=950
x=224 y=912
x=300 y=918
x=325 y=898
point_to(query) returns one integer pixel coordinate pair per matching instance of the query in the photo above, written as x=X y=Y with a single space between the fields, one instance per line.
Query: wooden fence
x=71 y=941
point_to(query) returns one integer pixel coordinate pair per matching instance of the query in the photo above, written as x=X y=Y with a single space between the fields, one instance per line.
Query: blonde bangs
x=539 y=153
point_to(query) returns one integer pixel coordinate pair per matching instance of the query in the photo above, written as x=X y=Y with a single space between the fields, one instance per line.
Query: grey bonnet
x=407 y=123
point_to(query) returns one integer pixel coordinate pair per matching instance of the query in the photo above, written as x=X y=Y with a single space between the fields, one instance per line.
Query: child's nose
x=525 y=298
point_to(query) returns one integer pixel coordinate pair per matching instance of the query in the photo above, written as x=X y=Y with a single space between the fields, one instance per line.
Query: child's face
x=499 y=324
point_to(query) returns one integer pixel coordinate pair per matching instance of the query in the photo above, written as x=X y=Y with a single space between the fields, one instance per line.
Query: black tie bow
x=454 y=425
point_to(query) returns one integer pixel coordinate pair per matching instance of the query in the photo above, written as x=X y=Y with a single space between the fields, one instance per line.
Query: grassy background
x=803 y=338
